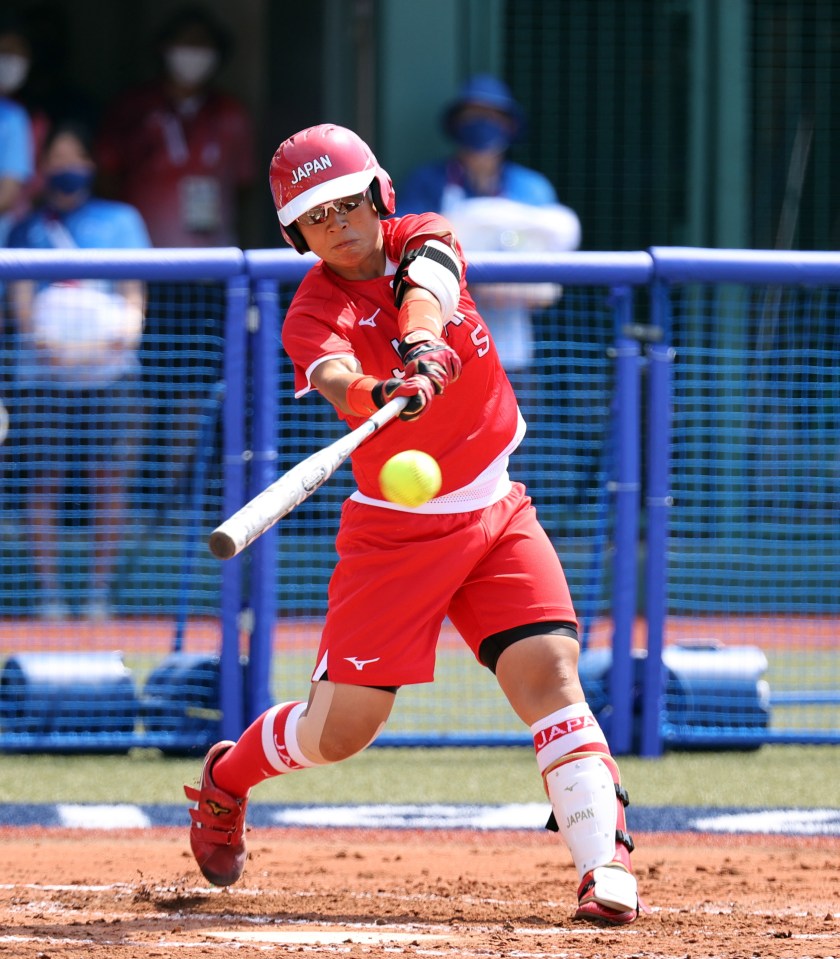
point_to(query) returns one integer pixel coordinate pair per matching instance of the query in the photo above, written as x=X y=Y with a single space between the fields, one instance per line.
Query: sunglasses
x=318 y=214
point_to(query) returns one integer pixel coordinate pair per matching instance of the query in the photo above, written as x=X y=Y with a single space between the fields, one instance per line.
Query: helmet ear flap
x=294 y=236
x=382 y=192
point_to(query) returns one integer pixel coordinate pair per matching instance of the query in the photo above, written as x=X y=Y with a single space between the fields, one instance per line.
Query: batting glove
x=431 y=357
x=419 y=389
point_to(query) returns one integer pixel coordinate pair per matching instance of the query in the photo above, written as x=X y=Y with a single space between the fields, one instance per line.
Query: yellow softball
x=410 y=478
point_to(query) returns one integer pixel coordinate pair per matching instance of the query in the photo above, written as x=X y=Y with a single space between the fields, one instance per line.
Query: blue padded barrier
x=712 y=695
x=181 y=698
x=67 y=694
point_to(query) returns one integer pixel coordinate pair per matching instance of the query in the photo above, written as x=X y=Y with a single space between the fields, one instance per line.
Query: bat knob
x=222 y=545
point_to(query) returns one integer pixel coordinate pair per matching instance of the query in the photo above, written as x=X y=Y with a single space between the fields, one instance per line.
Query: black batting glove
x=419 y=389
x=432 y=357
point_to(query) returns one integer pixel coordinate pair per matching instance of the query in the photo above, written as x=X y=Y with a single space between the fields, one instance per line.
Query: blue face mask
x=482 y=134
x=70 y=181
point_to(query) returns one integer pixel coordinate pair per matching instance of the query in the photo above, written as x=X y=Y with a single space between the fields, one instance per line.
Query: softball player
x=386 y=313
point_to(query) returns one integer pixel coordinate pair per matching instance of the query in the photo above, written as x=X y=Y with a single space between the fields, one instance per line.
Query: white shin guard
x=582 y=795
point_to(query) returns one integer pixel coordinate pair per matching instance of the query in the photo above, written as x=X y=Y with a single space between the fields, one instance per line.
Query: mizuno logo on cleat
x=217 y=808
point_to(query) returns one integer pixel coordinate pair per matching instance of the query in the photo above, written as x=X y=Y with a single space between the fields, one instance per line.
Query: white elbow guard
x=434 y=267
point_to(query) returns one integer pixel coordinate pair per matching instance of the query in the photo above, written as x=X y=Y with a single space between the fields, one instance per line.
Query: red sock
x=267 y=748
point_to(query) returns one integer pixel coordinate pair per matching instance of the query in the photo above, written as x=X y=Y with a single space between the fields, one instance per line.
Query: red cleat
x=217 y=834
x=607 y=896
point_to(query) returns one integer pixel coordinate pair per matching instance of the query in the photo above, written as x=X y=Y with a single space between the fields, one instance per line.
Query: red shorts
x=399 y=575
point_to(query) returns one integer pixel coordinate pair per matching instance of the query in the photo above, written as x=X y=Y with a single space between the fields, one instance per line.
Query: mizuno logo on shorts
x=361 y=663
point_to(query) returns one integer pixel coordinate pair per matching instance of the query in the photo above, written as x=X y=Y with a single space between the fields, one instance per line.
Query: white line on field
x=327 y=948
x=111 y=816
x=213 y=892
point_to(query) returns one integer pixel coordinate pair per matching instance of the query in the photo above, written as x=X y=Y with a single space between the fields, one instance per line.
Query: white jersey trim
x=491 y=485
x=311 y=369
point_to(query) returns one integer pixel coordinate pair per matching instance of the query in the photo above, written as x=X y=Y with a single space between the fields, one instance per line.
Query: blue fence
x=110 y=618
x=683 y=452
x=744 y=551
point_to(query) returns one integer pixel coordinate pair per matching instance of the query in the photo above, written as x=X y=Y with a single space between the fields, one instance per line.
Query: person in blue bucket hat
x=495 y=205
x=484 y=114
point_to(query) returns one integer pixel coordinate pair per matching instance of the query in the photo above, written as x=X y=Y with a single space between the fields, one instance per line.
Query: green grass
x=773 y=776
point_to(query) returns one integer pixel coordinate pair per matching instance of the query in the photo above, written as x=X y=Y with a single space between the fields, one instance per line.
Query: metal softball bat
x=292 y=488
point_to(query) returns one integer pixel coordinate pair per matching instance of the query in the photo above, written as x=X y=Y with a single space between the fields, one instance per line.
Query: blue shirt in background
x=16 y=152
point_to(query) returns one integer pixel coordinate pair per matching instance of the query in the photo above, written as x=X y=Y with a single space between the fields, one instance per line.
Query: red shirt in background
x=182 y=167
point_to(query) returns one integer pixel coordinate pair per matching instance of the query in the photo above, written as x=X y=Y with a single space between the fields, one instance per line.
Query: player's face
x=348 y=238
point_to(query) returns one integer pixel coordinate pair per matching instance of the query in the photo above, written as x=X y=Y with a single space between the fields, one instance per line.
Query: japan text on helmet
x=320 y=164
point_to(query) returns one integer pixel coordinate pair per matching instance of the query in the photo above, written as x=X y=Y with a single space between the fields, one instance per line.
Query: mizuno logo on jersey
x=369 y=320
x=318 y=165
x=361 y=663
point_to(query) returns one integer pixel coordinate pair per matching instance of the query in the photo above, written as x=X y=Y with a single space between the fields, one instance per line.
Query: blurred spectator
x=491 y=202
x=182 y=151
x=15 y=53
x=77 y=365
x=16 y=159
x=15 y=69
x=178 y=148
x=33 y=48
x=49 y=88
x=16 y=171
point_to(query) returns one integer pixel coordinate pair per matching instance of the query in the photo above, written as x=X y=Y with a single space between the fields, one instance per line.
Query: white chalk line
x=210 y=892
x=337 y=940
x=329 y=943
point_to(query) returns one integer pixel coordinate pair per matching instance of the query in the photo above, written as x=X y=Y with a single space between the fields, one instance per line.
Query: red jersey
x=474 y=423
x=182 y=169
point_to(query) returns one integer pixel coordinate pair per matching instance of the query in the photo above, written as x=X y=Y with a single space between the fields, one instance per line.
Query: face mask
x=70 y=181
x=482 y=134
x=13 y=71
x=191 y=65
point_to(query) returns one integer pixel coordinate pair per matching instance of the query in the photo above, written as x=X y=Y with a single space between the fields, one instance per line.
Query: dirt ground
x=361 y=893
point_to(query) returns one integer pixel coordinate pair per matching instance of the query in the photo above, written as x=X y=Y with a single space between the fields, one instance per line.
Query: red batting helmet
x=320 y=164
